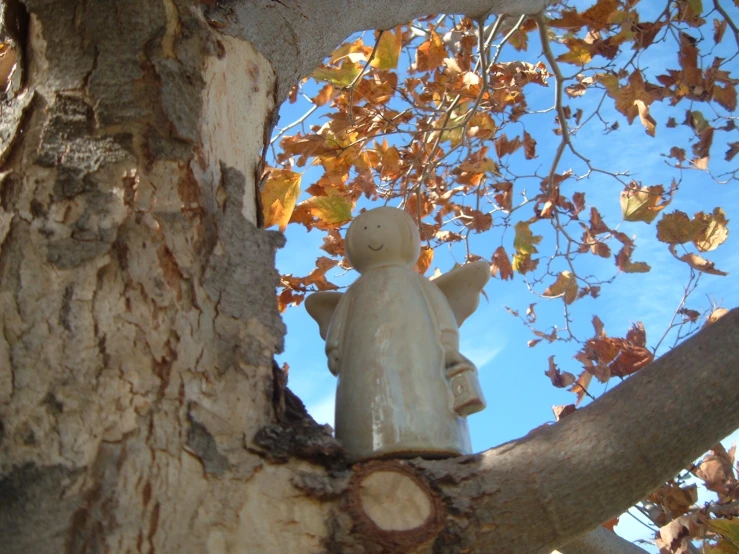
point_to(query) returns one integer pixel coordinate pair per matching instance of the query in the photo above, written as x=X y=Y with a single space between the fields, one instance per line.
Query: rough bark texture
x=136 y=292
x=140 y=410
x=601 y=541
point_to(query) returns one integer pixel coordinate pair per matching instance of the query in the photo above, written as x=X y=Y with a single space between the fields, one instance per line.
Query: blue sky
x=518 y=393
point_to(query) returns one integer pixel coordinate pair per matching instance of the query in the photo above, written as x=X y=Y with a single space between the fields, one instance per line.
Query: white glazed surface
x=389 y=340
x=393 y=396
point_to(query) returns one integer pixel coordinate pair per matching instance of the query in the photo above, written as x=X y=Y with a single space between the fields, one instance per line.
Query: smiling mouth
x=376 y=249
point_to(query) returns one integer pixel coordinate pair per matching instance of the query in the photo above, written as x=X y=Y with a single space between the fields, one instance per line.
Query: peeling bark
x=136 y=293
x=11 y=117
x=33 y=511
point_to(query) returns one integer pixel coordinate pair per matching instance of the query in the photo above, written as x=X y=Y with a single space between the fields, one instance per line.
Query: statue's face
x=382 y=237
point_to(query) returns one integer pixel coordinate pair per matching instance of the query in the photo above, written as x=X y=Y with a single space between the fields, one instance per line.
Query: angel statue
x=392 y=339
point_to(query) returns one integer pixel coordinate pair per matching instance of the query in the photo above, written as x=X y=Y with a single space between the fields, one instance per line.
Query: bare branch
x=296 y=35
x=558 y=95
x=359 y=76
x=600 y=541
x=729 y=21
x=607 y=450
x=298 y=121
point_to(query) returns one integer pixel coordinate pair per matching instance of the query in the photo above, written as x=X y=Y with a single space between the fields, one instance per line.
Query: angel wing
x=321 y=307
x=462 y=286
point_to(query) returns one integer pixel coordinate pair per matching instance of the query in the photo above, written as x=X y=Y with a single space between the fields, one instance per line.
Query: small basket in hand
x=468 y=397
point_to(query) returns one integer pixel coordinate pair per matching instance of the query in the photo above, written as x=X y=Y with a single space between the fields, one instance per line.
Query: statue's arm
x=461 y=372
x=335 y=334
x=445 y=320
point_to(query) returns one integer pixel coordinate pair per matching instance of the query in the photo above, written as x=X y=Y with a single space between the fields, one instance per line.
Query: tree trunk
x=140 y=409
x=137 y=291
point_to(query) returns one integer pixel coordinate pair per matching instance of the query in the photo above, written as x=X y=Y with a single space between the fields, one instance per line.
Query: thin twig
x=484 y=65
x=294 y=123
x=689 y=288
x=559 y=79
x=728 y=20
x=506 y=38
x=360 y=75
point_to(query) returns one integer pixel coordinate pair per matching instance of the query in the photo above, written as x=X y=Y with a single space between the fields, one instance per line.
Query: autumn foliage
x=441 y=117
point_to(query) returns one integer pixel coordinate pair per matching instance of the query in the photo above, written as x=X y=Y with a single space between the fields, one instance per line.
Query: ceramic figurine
x=392 y=340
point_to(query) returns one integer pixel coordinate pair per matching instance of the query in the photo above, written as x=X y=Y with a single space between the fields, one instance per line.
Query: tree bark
x=136 y=290
x=601 y=541
x=140 y=409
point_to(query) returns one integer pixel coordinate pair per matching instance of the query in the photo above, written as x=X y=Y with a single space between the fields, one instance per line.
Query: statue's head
x=382 y=237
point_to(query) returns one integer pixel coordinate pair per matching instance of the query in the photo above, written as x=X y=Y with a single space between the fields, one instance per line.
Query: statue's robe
x=393 y=396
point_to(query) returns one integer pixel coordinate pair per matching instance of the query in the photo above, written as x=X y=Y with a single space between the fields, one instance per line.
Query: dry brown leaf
x=701 y=264
x=646 y=119
x=390 y=164
x=578 y=199
x=580 y=388
x=715 y=315
x=688 y=56
x=565 y=286
x=677 y=153
x=333 y=244
x=719 y=28
x=642 y=203
x=529 y=146
x=563 y=411
x=504 y=198
x=503 y=146
x=717 y=471
x=424 y=260
x=637 y=335
x=624 y=263
x=323 y=96
x=702 y=148
x=675 y=228
x=630 y=360
x=279 y=196
x=287 y=297
x=710 y=231
x=674 y=499
x=598 y=327
x=732 y=151
x=501 y=264
x=431 y=53
x=599 y=15
x=690 y=315
x=558 y=378
x=676 y=535
x=725 y=96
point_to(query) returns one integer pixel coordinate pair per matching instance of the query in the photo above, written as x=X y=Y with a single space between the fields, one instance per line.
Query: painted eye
x=378 y=226
x=365 y=227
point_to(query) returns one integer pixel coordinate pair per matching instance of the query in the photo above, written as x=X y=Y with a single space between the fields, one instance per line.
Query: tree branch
x=550 y=487
x=600 y=541
x=296 y=35
x=730 y=22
